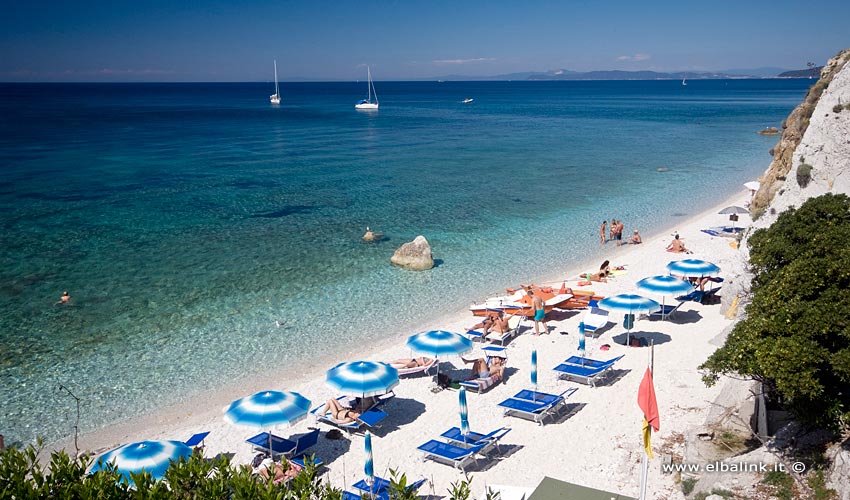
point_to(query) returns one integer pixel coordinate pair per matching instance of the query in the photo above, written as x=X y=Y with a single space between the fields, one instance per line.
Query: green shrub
x=22 y=476
x=795 y=337
x=818 y=485
x=783 y=484
x=688 y=485
x=804 y=174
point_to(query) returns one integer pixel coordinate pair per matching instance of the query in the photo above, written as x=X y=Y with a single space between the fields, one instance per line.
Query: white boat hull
x=366 y=105
x=275 y=99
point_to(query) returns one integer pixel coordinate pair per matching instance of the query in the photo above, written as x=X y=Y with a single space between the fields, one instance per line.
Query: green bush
x=688 y=485
x=783 y=484
x=23 y=477
x=796 y=336
x=804 y=174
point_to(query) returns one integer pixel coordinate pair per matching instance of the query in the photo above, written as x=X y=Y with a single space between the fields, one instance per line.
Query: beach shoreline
x=396 y=446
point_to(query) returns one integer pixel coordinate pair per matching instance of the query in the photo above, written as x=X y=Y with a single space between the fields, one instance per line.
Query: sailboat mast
x=369 y=86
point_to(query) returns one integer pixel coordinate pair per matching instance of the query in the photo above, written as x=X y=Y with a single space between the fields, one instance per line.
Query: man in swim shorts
x=539 y=313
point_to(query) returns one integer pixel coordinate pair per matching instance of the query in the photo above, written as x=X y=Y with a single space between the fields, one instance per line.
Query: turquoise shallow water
x=186 y=219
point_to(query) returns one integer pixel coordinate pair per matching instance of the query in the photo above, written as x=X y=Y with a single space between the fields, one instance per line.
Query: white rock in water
x=414 y=255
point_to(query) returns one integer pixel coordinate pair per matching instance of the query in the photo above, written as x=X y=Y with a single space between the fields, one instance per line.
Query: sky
x=220 y=41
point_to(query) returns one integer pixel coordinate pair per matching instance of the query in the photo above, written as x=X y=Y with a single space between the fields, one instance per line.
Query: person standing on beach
x=620 y=228
x=602 y=232
x=539 y=313
x=612 y=229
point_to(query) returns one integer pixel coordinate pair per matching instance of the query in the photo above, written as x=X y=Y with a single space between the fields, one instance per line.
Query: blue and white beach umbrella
x=664 y=285
x=692 y=268
x=628 y=304
x=438 y=343
x=464 y=412
x=534 y=369
x=267 y=409
x=369 y=467
x=153 y=457
x=362 y=378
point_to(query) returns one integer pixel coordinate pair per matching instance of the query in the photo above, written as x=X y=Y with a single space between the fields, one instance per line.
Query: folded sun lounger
x=450 y=454
x=536 y=406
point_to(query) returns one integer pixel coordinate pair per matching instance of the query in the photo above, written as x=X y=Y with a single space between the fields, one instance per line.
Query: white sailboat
x=275 y=98
x=367 y=103
x=684 y=82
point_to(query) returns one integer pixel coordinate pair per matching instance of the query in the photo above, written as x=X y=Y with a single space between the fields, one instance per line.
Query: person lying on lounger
x=267 y=468
x=411 y=362
x=699 y=282
x=481 y=369
x=339 y=413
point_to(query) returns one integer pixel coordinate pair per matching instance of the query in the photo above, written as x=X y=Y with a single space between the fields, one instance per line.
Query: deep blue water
x=185 y=219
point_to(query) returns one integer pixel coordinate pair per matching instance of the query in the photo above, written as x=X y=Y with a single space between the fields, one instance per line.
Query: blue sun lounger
x=664 y=311
x=283 y=446
x=381 y=487
x=369 y=418
x=450 y=454
x=592 y=363
x=491 y=439
x=583 y=374
x=536 y=406
x=196 y=439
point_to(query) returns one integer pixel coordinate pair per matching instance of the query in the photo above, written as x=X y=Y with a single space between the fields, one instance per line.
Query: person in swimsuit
x=340 y=413
x=269 y=469
x=602 y=232
x=65 y=298
x=411 y=362
x=676 y=246
x=481 y=369
x=486 y=324
x=539 y=313
x=635 y=240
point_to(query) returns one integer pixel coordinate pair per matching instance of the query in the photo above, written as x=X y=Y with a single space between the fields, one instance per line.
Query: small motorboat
x=467 y=100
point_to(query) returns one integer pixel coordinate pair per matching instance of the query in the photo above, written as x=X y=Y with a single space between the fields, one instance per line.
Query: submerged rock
x=769 y=131
x=372 y=236
x=414 y=255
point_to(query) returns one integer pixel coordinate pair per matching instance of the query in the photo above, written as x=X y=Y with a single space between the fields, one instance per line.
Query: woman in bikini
x=339 y=413
x=480 y=368
x=411 y=362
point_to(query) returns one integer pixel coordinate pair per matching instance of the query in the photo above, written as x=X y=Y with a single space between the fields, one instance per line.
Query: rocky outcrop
x=816 y=109
x=414 y=255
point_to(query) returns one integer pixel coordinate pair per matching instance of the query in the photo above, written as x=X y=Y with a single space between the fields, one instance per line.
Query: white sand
x=599 y=445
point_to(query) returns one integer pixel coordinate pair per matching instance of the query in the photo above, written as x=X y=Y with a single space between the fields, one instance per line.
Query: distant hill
x=765 y=71
x=802 y=73
x=565 y=74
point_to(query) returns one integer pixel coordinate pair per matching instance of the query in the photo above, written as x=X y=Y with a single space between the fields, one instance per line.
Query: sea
x=188 y=221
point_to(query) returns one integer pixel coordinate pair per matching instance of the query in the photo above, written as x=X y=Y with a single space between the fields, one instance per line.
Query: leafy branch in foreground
x=796 y=337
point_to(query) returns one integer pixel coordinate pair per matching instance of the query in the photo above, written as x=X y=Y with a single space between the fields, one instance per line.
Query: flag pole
x=644 y=471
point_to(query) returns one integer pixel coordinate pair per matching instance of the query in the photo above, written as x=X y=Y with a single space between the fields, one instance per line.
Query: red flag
x=646 y=400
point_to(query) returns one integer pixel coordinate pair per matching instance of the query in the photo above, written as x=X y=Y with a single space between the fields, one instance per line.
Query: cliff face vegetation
x=793 y=129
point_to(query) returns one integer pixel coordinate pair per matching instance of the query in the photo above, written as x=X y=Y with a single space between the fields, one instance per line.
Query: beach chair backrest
x=306 y=441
